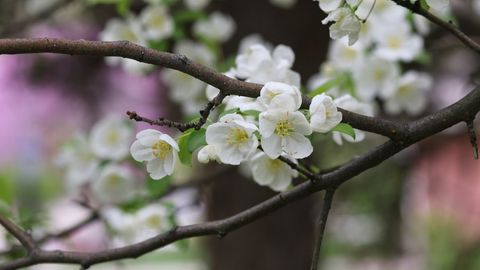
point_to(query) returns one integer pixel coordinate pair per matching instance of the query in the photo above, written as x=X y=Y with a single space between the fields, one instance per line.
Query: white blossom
x=158 y=150
x=152 y=220
x=157 y=22
x=197 y=52
x=218 y=27
x=257 y=64
x=329 y=5
x=280 y=96
x=233 y=138
x=345 y=57
x=439 y=7
x=324 y=114
x=115 y=184
x=346 y=23
x=207 y=154
x=273 y=173
x=410 y=93
x=110 y=138
x=283 y=131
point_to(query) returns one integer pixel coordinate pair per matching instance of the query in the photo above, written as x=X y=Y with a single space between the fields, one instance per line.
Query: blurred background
x=418 y=210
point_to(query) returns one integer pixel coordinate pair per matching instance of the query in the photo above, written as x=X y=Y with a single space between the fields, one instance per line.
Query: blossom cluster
x=156 y=26
x=372 y=68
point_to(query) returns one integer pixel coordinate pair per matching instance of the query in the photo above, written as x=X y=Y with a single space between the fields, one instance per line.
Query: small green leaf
x=160 y=45
x=345 y=129
x=250 y=113
x=196 y=140
x=424 y=5
x=326 y=86
x=184 y=155
x=123 y=7
x=158 y=187
x=234 y=110
x=185 y=16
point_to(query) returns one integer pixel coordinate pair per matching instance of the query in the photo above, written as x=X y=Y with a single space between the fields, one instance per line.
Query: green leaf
x=158 y=187
x=196 y=140
x=184 y=155
x=326 y=86
x=96 y=2
x=188 y=142
x=123 y=7
x=186 y=16
x=251 y=113
x=424 y=4
x=160 y=45
x=234 y=110
x=345 y=129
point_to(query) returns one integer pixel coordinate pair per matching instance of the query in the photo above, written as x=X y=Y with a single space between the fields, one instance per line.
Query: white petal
x=169 y=140
x=156 y=169
x=141 y=152
x=297 y=146
x=272 y=146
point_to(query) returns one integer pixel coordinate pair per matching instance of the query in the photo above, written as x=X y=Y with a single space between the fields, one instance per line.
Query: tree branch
x=321 y=225
x=416 y=8
x=417 y=130
x=227 y=85
x=24 y=238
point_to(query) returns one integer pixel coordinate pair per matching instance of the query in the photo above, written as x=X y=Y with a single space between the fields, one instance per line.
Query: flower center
x=112 y=137
x=394 y=42
x=283 y=128
x=161 y=149
x=274 y=165
x=113 y=181
x=154 y=221
x=236 y=136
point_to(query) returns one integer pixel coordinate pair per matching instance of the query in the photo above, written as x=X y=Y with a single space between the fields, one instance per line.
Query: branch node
x=473 y=138
x=221 y=234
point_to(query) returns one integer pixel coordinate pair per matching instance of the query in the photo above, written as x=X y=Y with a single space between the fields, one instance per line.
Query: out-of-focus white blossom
x=439 y=7
x=400 y=44
x=129 y=29
x=115 y=184
x=196 y=4
x=476 y=6
x=324 y=114
x=158 y=150
x=197 y=52
x=233 y=139
x=273 y=173
x=110 y=138
x=345 y=23
x=79 y=161
x=410 y=93
x=157 y=22
x=152 y=220
x=375 y=77
x=218 y=27
x=345 y=57
x=283 y=3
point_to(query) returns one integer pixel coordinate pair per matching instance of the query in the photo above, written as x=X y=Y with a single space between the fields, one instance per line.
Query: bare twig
x=179 y=125
x=321 y=224
x=417 y=8
x=22 y=236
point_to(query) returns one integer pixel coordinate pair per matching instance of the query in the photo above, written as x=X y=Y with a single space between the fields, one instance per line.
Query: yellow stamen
x=161 y=149
x=237 y=136
x=283 y=128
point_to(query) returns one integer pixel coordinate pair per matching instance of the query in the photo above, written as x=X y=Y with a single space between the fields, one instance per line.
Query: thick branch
x=227 y=85
x=418 y=130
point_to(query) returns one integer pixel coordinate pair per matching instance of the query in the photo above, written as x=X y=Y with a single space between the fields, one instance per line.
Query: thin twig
x=22 y=236
x=204 y=114
x=321 y=224
x=417 y=8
